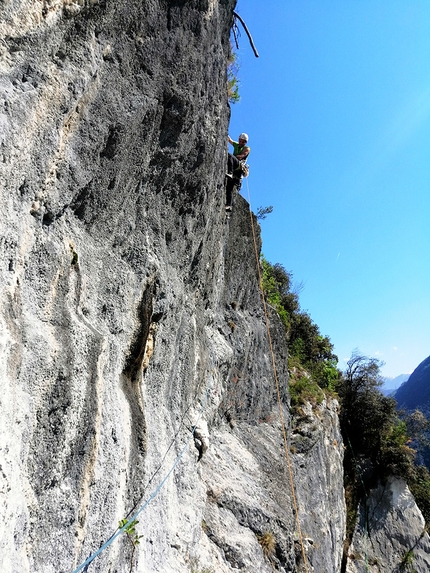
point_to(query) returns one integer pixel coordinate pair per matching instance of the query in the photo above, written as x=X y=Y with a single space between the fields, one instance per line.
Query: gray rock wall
x=318 y=459
x=390 y=534
x=130 y=308
x=112 y=114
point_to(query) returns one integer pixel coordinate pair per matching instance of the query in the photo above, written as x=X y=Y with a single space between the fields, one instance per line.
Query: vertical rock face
x=113 y=122
x=390 y=534
x=318 y=447
x=130 y=310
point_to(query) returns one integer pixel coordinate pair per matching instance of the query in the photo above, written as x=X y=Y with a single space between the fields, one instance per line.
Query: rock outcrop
x=130 y=310
x=390 y=534
x=318 y=447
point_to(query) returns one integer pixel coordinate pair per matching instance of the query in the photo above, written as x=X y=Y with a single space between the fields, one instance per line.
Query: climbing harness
x=233 y=183
x=275 y=374
x=245 y=168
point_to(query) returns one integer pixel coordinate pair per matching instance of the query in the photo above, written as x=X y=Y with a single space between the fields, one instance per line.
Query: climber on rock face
x=236 y=167
x=240 y=152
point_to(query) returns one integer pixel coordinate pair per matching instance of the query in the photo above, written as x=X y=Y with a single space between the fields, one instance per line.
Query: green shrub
x=273 y=289
x=232 y=79
x=326 y=374
x=375 y=437
x=406 y=564
x=312 y=351
x=419 y=485
x=132 y=536
x=304 y=389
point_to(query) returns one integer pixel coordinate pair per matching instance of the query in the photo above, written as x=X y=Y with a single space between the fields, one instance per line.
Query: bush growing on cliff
x=376 y=438
x=370 y=423
x=419 y=485
x=302 y=386
x=262 y=212
x=276 y=283
x=132 y=536
x=232 y=79
x=268 y=543
x=306 y=345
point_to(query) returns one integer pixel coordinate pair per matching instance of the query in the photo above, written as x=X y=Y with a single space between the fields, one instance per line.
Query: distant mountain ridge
x=392 y=384
x=415 y=392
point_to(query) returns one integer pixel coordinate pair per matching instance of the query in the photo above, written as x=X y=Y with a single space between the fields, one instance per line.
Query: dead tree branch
x=251 y=41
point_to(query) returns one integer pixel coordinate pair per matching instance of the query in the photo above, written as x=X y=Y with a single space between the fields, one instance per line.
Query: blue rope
x=85 y=564
x=151 y=497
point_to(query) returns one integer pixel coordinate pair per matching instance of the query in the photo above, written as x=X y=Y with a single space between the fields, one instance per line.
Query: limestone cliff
x=390 y=533
x=130 y=309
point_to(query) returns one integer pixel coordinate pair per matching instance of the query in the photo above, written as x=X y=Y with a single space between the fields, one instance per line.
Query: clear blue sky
x=337 y=108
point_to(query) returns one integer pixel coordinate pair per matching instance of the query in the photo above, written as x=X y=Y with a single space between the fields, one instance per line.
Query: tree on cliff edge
x=375 y=437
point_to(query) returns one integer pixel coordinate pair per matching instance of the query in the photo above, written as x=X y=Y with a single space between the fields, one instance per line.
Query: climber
x=236 y=167
x=240 y=153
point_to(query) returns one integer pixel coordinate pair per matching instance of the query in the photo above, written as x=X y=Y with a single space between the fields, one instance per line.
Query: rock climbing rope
x=83 y=566
x=278 y=393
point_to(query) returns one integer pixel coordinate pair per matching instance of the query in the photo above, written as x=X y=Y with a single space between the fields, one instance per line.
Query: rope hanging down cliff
x=151 y=479
x=278 y=393
x=83 y=566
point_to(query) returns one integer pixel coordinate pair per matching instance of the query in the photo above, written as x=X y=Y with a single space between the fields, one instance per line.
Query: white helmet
x=243 y=136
